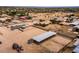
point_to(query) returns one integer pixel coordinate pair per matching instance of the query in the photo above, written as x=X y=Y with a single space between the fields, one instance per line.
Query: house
x=76 y=28
x=18 y=26
x=76 y=50
x=3 y=19
x=23 y=17
x=77 y=42
x=74 y=23
x=4 y=15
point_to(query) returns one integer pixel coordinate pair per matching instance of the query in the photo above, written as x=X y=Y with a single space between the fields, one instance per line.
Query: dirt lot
x=53 y=44
x=56 y=43
x=9 y=37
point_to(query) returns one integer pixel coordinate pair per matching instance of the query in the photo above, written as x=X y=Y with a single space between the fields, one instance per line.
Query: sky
x=39 y=3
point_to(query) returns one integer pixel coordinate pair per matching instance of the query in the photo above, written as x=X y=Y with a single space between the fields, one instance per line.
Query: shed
x=43 y=36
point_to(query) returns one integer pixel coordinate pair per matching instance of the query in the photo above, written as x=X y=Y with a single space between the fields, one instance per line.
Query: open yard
x=8 y=37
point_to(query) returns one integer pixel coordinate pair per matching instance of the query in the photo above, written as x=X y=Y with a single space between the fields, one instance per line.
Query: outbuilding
x=43 y=36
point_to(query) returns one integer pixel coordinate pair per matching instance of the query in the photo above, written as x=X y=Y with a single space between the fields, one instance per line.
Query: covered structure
x=76 y=50
x=76 y=43
x=43 y=36
x=75 y=23
x=76 y=28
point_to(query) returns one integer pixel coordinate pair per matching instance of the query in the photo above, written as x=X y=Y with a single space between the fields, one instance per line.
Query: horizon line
x=44 y=6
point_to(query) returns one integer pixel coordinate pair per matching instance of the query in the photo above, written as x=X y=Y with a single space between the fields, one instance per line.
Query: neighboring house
x=76 y=50
x=74 y=23
x=76 y=28
x=77 y=42
x=23 y=17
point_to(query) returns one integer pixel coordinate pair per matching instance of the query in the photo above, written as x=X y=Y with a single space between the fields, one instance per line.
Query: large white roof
x=43 y=36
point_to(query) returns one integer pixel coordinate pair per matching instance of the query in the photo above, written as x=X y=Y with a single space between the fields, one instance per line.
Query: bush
x=29 y=17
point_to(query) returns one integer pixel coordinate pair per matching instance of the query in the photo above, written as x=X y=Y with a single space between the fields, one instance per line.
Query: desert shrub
x=29 y=17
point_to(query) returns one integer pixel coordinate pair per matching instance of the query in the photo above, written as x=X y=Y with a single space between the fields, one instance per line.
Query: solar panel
x=43 y=36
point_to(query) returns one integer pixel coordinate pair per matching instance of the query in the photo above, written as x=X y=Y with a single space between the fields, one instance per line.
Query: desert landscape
x=39 y=30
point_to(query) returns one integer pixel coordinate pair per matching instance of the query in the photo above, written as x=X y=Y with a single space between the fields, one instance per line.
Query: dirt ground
x=56 y=43
x=9 y=37
x=53 y=44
